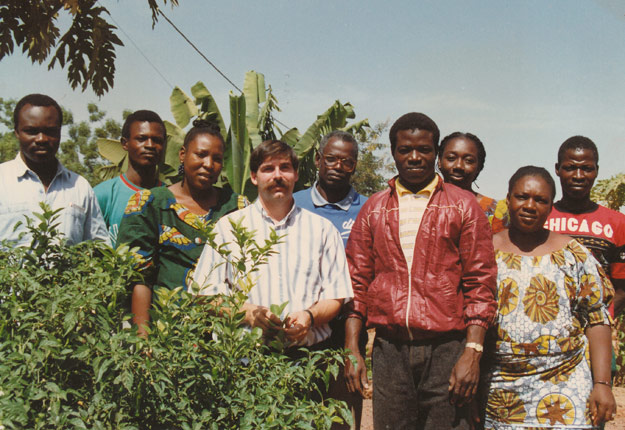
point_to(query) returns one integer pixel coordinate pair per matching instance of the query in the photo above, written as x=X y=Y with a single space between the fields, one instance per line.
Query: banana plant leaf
x=238 y=148
x=168 y=175
x=175 y=139
x=208 y=107
x=267 y=125
x=291 y=137
x=254 y=93
x=358 y=129
x=182 y=107
x=111 y=171
x=111 y=149
x=332 y=119
x=251 y=121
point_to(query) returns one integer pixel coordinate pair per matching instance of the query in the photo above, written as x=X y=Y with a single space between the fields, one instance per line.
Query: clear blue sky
x=522 y=75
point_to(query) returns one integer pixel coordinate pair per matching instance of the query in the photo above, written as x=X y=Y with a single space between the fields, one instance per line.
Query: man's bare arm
x=355 y=376
x=466 y=373
x=140 y=307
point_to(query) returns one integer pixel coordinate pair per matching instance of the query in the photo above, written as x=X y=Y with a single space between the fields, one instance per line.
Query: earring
x=181 y=169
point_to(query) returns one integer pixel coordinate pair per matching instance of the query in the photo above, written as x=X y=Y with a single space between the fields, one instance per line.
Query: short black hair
x=481 y=152
x=272 y=148
x=202 y=126
x=533 y=171
x=36 y=100
x=342 y=136
x=142 y=116
x=575 y=143
x=414 y=121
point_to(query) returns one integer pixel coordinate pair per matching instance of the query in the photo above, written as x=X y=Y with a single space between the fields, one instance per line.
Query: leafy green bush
x=66 y=361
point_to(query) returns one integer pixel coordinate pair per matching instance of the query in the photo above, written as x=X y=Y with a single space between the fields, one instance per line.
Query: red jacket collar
x=391 y=183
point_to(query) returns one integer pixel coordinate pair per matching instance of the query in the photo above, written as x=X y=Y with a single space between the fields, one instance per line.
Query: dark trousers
x=411 y=382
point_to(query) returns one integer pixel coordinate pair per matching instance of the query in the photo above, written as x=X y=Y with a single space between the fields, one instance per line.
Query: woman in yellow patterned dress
x=550 y=367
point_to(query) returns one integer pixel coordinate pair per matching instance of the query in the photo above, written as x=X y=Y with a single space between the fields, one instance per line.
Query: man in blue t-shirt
x=332 y=195
x=144 y=138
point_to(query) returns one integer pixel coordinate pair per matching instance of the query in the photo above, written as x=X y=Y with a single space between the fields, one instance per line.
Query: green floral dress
x=540 y=371
x=168 y=234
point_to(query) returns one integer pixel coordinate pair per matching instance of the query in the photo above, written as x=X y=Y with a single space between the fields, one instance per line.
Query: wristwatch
x=475 y=346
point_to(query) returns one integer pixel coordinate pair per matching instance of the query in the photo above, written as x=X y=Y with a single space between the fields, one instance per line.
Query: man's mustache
x=277 y=183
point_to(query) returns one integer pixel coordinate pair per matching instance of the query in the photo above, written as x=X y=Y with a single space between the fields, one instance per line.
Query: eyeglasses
x=349 y=164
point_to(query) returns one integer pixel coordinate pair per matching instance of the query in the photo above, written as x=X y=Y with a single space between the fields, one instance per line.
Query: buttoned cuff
x=481 y=323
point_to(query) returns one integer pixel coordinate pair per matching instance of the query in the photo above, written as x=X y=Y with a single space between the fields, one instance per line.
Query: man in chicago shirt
x=600 y=229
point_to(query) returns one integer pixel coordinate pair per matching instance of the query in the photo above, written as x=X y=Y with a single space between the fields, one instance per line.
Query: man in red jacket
x=423 y=272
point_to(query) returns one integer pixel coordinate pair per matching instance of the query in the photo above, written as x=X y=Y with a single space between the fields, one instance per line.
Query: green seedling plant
x=67 y=362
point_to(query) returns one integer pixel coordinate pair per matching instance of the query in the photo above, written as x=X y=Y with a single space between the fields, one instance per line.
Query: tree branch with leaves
x=86 y=48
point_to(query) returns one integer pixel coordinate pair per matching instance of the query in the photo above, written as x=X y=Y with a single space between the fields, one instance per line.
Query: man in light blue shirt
x=333 y=198
x=332 y=195
x=36 y=175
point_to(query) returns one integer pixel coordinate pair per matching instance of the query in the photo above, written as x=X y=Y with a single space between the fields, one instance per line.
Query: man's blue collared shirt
x=21 y=191
x=342 y=214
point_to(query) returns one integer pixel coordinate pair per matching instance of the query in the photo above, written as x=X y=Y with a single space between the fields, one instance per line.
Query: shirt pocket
x=73 y=223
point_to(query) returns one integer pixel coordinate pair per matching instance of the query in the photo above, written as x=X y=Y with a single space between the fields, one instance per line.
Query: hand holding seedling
x=262 y=317
x=297 y=325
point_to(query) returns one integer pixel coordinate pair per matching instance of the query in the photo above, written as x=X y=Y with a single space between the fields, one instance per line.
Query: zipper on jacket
x=408 y=307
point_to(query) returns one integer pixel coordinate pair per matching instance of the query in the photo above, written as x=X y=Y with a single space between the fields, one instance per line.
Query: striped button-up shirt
x=309 y=263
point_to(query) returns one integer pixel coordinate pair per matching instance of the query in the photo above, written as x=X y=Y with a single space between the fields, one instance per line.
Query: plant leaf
x=208 y=106
x=182 y=107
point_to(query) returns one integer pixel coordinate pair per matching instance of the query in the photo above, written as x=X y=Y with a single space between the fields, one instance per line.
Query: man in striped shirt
x=308 y=269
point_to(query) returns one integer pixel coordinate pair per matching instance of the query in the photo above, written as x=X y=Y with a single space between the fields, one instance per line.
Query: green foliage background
x=67 y=362
x=611 y=192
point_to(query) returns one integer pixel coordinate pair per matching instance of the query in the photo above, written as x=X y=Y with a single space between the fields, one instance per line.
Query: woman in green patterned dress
x=550 y=367
x=166 y=222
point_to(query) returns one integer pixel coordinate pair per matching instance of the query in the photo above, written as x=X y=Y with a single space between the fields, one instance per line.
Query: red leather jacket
x=453 y=270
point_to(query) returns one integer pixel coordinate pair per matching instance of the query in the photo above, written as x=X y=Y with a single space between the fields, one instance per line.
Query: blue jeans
x=411 y=381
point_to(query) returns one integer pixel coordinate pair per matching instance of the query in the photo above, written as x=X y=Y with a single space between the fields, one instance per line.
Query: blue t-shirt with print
x=342 y=214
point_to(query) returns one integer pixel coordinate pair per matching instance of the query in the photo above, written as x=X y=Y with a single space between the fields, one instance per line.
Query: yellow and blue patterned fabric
x=540 y=374
x=113 y=196
x=168 y=234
